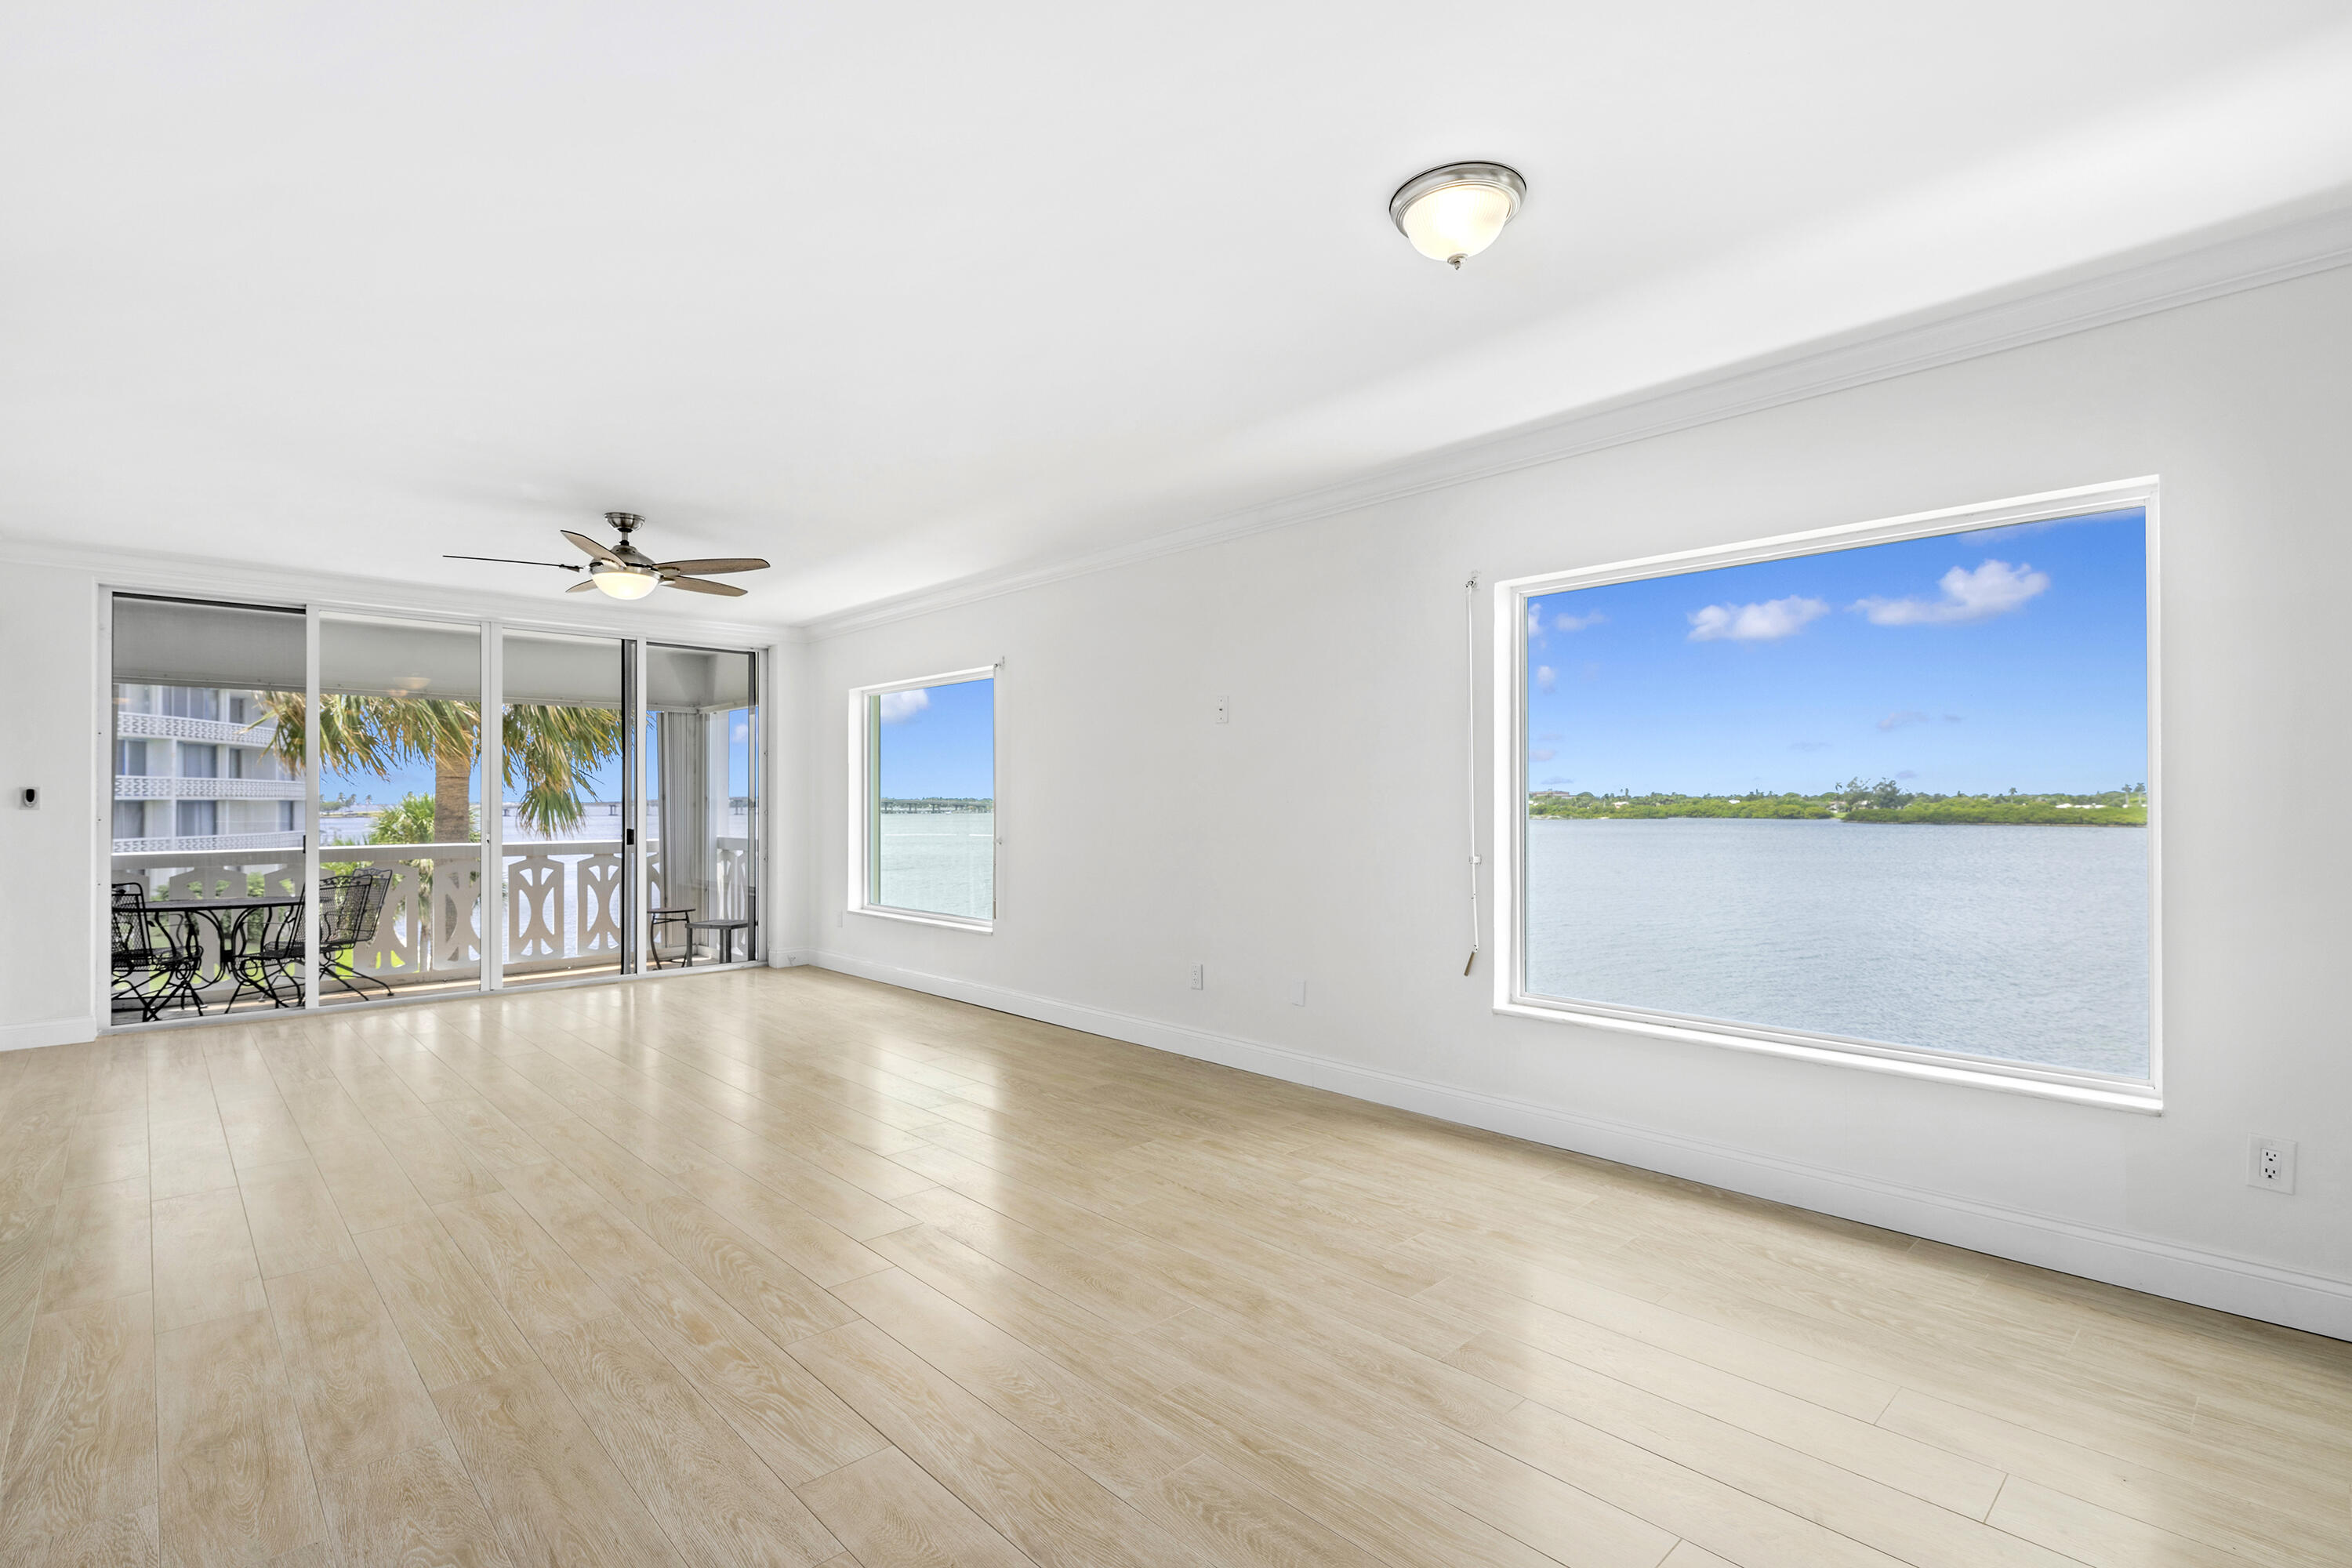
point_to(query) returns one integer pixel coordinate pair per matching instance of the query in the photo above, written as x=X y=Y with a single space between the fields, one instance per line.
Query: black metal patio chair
x=154 y=961
x=350 y=908
x=260 y=946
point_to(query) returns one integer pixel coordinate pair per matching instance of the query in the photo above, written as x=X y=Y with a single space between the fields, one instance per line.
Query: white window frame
x=863 y=784
x=1510 y=741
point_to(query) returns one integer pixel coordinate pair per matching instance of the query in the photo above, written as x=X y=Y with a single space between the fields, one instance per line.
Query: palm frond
x=547 y=746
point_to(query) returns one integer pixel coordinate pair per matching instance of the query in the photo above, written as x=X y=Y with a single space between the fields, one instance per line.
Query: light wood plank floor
x=785 y=1268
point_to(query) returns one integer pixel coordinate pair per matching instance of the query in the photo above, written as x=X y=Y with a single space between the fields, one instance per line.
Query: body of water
x=944 y=863
x=2024 y=943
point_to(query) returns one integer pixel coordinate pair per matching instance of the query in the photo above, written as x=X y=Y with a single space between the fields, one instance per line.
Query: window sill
x=2105 y=1095
x=915 y=917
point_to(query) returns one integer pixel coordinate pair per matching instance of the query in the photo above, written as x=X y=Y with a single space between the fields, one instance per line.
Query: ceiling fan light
x=1455 y=212
x=624 y=581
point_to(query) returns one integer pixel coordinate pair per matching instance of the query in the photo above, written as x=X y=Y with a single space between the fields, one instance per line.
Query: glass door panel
x=562 y=822
x=210 y=809
x=400 y=718
x=702 y=768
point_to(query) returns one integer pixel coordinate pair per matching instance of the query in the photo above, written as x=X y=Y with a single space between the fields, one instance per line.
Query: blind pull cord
x=1470 y=749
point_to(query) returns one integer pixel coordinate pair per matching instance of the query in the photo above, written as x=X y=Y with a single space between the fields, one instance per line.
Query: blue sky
x=940 y=741
x=1969 y=662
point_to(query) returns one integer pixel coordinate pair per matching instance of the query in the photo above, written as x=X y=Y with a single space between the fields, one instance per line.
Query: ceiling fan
x=625 y=572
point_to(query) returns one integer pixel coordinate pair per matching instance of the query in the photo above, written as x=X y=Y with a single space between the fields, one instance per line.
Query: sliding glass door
x=310 y=811
x=400 y=719
x=564 y=868
x=702 y=768
x=207 y=907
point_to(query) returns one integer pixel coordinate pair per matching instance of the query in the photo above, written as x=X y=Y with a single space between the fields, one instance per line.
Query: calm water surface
x=2025 y=944
x=944 y=863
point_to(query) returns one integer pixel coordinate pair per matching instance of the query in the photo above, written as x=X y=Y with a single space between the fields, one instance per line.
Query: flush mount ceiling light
x=1457 y=211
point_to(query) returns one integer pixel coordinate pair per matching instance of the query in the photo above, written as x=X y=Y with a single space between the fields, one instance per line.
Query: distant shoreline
x=2112 y=810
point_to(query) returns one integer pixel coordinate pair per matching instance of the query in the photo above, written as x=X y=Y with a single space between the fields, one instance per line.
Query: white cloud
x=1545 y=679
x=1577 y=623
x=1896 y=720
x=1994 y=588
x=898 y=707
x=1544 y=755
x=1535 y=623
x=1772 y=619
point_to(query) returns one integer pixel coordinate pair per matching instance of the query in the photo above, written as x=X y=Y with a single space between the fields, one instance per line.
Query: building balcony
x=215 y=732
x=202 y=844
x=170 y=787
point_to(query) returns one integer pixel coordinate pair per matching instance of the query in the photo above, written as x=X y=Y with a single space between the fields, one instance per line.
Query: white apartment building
x=193 y=770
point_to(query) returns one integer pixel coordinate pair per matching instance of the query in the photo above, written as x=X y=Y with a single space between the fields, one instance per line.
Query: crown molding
x=209 y=577
x=2137 y=284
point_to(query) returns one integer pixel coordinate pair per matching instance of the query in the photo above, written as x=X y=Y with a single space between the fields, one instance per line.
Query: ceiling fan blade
x=723 y=564
x=697 y=585
x=581 y=586
x=559 y=566
x=592 y=547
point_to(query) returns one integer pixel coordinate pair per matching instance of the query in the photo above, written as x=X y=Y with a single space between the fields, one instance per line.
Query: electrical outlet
x=1200 y=976
x=1225 y=709
x=2271 y=1165
x=30 y=797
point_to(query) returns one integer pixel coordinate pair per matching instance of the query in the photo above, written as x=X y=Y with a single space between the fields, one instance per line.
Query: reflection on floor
x=777 y=1265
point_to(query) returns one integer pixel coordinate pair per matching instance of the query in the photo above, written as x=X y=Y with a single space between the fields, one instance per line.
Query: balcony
x=562 y=908
x=218 y=732
x=173 y=786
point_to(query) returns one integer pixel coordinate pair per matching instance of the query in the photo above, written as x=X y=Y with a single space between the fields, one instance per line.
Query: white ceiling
x=900 y=295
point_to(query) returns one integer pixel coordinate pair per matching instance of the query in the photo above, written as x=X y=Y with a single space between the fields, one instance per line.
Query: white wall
x=1320 y=835
x=50 y=724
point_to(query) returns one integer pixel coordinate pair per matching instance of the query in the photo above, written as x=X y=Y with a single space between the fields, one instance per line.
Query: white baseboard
x=2312 y=1302
x=50 y=1032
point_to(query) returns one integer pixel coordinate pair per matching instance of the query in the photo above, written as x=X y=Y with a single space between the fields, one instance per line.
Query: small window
x=926 y=836
x=199 y=762
x=1878 y=792
x=130 y=758
x=198 y=818
x=130 y=819
x=192 y=701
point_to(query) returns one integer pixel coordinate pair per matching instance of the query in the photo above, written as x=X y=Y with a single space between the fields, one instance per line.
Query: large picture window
x=926 y=843
x=1882 y=793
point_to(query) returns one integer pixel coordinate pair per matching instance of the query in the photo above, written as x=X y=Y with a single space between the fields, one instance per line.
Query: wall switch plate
x=1200 y=976
x=1225 y=709
x=30 y=797
x=2270 y=1165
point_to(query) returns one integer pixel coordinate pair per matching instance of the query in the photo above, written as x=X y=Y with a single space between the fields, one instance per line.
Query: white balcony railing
x=219 y=731
x=563 y=904
x=172 y=787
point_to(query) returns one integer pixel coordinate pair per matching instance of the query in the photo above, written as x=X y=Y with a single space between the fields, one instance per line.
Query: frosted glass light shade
x=624 y=581
x=1455 y=212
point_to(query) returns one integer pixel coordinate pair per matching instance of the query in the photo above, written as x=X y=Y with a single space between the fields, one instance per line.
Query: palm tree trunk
x=453 y=815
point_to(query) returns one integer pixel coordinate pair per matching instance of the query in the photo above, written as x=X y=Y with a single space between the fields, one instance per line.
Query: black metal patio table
x=225 y=918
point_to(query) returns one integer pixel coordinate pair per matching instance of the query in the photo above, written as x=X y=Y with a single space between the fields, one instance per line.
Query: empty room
x=1286 y=785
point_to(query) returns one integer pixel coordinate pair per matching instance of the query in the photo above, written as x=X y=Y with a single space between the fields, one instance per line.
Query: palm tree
x=549 y=745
